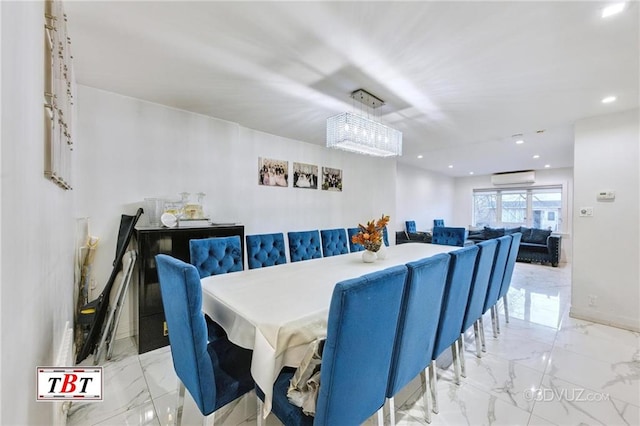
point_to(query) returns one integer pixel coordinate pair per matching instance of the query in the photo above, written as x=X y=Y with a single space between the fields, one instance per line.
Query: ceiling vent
x=513 y=178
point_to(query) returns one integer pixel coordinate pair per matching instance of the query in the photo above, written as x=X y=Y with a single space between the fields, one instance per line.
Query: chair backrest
x=353 y=247
x=456 y=295
x=265 y=250
x=511 y=263
x=479 y=282
x=355 y=363
x=497 y=272
x=182 y=300
x=410 y=226
x=418 y=322
x=217 y=255
x=449 y=236
x=304 y=245
x=438 y=222
x=334 y=241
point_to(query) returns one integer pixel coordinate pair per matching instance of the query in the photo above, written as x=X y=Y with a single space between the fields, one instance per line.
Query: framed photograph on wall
x=273 y=172
x=331 y=179
x=305 y=175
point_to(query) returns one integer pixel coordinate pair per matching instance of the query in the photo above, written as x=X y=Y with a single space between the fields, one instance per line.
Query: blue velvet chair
x=438 y=222
x=334 y=241
x=477 y=295
x=215 y=256
x=508 y=274
x=495 y=284
x=304 y=245
x=362 y=321
x=449 y=236
x=417 y=326
x=410 y=226
x=215 y=373
x=218 y=255
x=454 y=304
x=354 y=247
x=265 y=250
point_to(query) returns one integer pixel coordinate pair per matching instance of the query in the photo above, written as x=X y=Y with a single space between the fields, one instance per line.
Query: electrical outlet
x=586 y=211
x=593 y=301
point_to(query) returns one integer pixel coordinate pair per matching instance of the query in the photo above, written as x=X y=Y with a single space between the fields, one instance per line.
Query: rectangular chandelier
x=355 y=133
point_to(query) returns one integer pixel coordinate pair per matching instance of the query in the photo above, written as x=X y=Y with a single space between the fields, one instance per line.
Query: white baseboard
x=631 y=324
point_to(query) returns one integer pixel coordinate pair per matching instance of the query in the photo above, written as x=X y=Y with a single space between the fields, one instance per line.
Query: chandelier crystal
x=357 y=133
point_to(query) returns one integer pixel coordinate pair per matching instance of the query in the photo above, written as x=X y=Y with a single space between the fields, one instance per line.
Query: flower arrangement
x=370 y=236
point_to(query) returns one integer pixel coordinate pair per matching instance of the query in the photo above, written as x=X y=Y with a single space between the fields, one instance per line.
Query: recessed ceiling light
x=546 y=166
x=519 y=142
x=536 y=156
x=608 y=99
x=613 y=9
x=470 y=173
x=451 y=166
x=420 y=156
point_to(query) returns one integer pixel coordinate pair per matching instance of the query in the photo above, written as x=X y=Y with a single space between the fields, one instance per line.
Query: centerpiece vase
x=369 y=256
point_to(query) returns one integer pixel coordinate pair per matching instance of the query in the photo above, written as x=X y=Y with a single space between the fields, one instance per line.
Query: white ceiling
x=459 y=78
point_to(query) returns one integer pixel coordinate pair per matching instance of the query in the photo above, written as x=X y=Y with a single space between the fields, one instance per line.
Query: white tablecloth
x=278 y=310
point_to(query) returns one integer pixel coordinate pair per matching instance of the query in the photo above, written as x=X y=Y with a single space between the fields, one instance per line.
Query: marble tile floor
x=545 y=368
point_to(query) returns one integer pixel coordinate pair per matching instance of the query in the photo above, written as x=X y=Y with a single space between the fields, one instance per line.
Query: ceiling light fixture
x=547 y=166
x=613 y=9
x=356 y=132
x=536 y=156
x=519 y=142
x=608 y=99
x=420 y=156
x=450 y=166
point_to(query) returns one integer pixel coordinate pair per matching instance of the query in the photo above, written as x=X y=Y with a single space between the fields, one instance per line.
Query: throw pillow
x=490 y=233
x=539 y=236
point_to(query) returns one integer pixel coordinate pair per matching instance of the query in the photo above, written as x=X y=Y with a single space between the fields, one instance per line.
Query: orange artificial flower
x=370 y=236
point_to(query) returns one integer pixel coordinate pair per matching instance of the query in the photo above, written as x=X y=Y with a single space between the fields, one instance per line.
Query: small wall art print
x=273 y=172
x=331 y=179
x=305 y=175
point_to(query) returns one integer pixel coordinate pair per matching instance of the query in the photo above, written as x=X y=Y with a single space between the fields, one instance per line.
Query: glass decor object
x=357 y=133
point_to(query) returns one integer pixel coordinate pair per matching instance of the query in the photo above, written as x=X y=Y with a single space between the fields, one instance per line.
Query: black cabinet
x=151 y=329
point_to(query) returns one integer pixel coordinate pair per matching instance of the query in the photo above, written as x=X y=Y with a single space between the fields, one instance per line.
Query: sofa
x=412 y=237
x=537 y=245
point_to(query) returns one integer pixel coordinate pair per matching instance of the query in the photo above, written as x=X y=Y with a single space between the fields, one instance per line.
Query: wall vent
x=512 y=178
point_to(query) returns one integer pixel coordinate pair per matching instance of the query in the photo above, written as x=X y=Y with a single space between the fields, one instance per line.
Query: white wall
x=463 y=200
x=37 y=224
x=130 y=149
x=606 y=246
x=423 y=196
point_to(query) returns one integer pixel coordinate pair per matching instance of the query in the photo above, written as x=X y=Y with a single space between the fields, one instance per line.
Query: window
x=539 y=207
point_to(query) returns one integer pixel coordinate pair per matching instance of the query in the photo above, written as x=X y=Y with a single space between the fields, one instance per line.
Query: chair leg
x=456 y=362
x=463 y=367
x=259 y=407
x=506 y=308
x=209 y=420
x=425 y=394
x=482 y=336
x=433 y=383
x=493 y=322
x=392 y=411
x=497 y=318
x=180 y=403
x=381 y=416
x=476 y=333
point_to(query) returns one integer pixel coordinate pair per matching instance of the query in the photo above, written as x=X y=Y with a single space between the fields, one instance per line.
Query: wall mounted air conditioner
x=511 y=178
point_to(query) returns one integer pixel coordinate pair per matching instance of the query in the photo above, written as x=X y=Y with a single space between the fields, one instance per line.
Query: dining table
x=277 y=311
